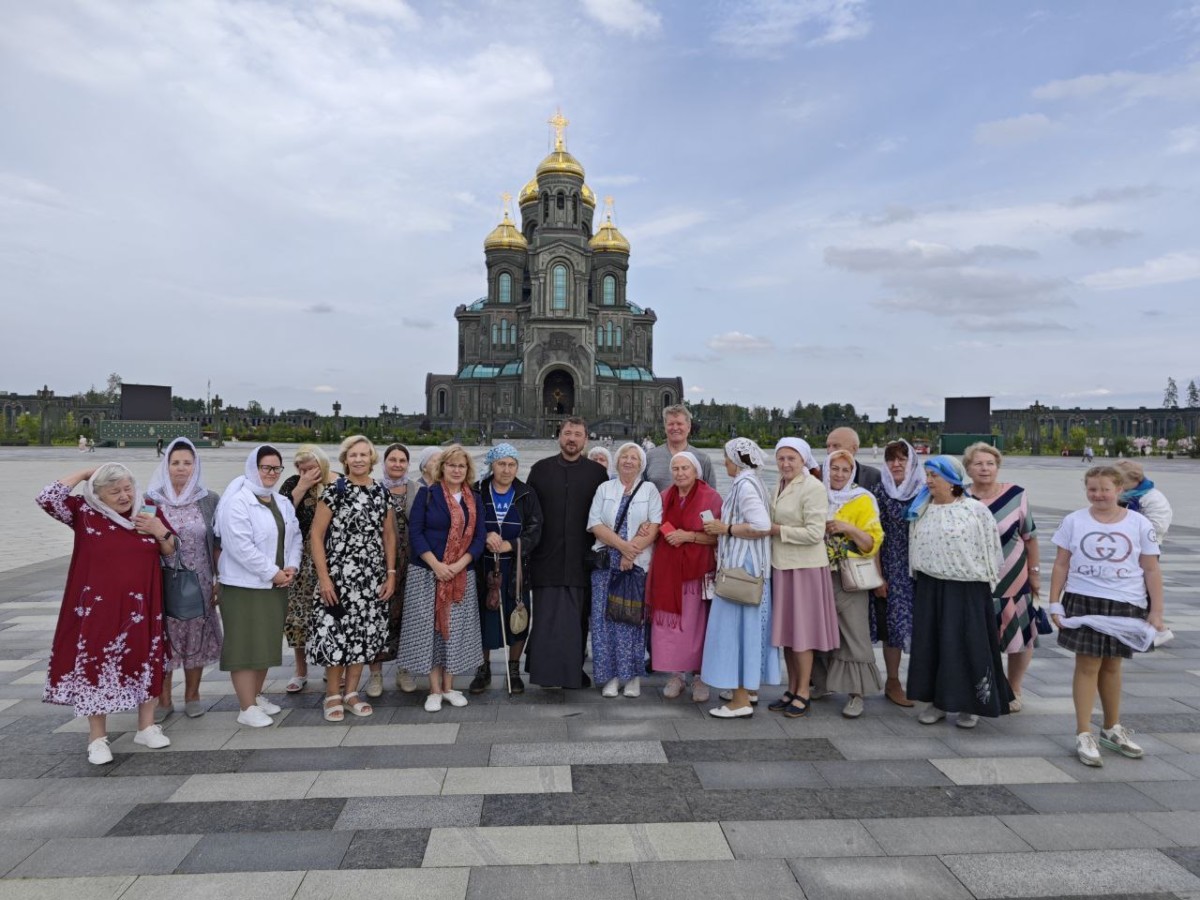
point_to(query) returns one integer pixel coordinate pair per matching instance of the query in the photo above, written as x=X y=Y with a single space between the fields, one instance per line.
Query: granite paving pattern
x=564 y=794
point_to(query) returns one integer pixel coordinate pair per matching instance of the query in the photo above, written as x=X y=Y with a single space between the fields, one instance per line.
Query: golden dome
x=588 y=196
x=505 y=237
x=529 y=192
x=560 y=162
x=608 y=239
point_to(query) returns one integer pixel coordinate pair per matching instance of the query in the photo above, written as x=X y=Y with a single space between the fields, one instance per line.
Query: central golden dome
x=560 y=162
x=505 y=236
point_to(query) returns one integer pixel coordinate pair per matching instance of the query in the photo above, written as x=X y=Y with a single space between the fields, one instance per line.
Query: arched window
x=559 y=297
x=441 y=403
x=575 y=208
x=505 y=288
x=545 y=207
x=667 y=400
x=618 y=336
x=599 y=335
x=560 y=200
x=495 y=335
x=608 y=340
x=610 y=290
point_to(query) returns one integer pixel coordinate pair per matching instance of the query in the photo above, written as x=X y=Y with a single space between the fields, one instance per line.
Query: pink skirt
x=681 y=649
x=804 y=616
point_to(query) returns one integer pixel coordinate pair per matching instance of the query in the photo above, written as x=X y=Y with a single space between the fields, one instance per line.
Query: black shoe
x=482 y=680
x=782 y=703
x=514 y=677
x=587 y=682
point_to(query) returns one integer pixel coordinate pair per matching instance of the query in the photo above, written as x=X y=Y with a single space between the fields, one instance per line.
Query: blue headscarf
x=949 y=468
x=1132 y=498
x=500 y=451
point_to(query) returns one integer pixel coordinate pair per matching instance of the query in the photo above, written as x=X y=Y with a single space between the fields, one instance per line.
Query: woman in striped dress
x=1020 y=572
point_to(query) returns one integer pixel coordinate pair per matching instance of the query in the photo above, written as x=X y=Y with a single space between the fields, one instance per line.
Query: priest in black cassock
x=564 y=485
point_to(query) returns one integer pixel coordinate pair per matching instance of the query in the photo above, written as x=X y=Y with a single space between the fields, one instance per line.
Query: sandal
x=792 y=711
x=333 y=713
x=361 y=709
x=296 y=684
x=783 y=702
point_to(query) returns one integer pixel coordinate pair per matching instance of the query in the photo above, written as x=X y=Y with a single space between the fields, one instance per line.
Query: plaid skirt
x=1088 y=641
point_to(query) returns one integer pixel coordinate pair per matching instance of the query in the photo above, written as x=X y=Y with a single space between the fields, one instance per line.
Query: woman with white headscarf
x=619 y=508
x=892 y=608
x=804 y=613
x=737 y=643
x=108 y=646
x=603 y=457
x=852 y=530
x=260 y=555
x=178 y=489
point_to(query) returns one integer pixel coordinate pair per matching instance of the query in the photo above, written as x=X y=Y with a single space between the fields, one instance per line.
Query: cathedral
x=557 y=334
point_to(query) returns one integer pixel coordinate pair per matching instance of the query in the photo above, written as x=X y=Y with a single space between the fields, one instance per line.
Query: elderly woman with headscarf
x=738 y=655
x=684 y=558
x=620 y=507
x=892 y=610
x=304 y=489
x=852 y=529
x=513 y=519
x=804 y=616
x=954 y=551
x=603 y=457
x=1139 y=494
x=260 y=555
x=108 y=646
x=177 y=489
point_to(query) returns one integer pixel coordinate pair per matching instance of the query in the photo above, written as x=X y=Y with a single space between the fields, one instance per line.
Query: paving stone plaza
x=565 y=794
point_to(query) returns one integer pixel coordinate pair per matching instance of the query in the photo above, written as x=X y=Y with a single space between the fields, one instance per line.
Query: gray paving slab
x=211 y=762
x=579 y=882
x=227 y=886
x=904 y=802
x=15 y=791
x=893 y=878
x=386 y=848
x=77 y=792
x=1100 y=797
x=1171 y=795
x=803 y=749
x=384 y=884
x=716 y=880
x=1085 y=873
x=56 y=822
x=645 y=778
x=758 y=775
x=1086 y=831
x=96 y=888
x=227 y=816
x=409 y=812
x=504 y=846
x=577 y=753
x=1181 y=827
x=74 y=857
x=247 y=852
x=889 y=748
x=800 y=838
x=1118 y=768
x=13 y=850
x=881 y=773
x=622 y=730
x=936 y=835
x=535 y=731
x=587 y=809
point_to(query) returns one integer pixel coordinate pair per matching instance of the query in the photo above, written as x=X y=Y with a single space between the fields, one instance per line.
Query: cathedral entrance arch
x=558 y=393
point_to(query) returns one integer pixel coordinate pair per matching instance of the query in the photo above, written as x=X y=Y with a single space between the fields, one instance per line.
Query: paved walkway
x=559 y=794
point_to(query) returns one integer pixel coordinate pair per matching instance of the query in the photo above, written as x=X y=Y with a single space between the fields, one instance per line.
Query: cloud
x=1184 y=140
x=1102 y=237
x=324 y=389
x=1124 y=194
x=695 y=389
x=765 y=28
x=624 y=16
x=390 y=10
x=17 y=189
x=737 y=342
x=919 y=255
x=1017 y=130
x=667 y=224
x=1153 y=313
x=423 y=324
x=891 y=215
x=697 y=357
x=1181 y=84
x=319 y=308
x=613 y=180
x=972 y=291
x=1171 y=268
x=826 y=351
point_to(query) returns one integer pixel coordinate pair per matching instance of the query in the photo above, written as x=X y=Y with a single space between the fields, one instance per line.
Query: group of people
x=637 y=555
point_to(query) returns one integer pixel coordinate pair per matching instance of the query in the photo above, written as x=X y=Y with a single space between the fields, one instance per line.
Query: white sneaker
x=455 y=698
x=151 y=737
x=611 y=689
x=1086 y=749
x=98 y=752
x=633 y=687
x=405 y=681
x=267 y=706
x=254 y=717
x=433 y=703
x=1117 y=738
x=853 y=708
x=966 y=720
x=931 y=715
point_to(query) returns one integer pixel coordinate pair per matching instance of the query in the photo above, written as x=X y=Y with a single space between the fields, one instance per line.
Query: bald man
x=847 y=439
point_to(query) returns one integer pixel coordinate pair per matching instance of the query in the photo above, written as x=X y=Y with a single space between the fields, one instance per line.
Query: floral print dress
x=893 y=559
x=355 y=557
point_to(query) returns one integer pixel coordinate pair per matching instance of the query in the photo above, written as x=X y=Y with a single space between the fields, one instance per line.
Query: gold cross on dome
x=560 y=123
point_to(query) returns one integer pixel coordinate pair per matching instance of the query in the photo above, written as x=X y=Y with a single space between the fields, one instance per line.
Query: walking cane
x=503 y=630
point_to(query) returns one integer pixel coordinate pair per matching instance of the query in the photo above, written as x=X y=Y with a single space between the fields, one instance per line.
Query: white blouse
x=646 y=506
x=956 y=541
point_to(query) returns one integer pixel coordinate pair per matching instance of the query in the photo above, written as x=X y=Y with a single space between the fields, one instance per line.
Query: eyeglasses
x=270 y=470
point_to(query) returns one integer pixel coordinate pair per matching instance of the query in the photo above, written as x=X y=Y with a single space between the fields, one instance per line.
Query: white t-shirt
x=1106 y=557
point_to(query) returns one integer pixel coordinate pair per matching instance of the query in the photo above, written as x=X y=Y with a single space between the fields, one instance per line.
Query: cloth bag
x=627 y=596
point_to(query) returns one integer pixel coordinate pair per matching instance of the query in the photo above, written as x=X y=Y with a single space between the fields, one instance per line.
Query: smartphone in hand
x=706 y=515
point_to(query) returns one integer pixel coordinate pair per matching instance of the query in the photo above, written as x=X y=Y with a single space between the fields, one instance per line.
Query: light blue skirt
x=737 y=642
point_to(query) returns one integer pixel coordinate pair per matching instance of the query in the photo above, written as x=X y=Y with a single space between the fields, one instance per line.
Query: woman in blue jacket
x=440 y=631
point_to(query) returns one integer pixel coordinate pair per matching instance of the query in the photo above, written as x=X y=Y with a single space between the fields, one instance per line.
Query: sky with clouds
x=828 y=200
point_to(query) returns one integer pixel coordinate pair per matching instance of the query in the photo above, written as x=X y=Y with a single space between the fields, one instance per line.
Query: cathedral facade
x=556 y=335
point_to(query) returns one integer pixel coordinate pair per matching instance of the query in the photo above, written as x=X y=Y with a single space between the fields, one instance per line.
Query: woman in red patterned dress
x=108 y=647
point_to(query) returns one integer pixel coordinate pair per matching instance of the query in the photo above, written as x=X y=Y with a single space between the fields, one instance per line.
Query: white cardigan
x=646 y=506
x=249 y=537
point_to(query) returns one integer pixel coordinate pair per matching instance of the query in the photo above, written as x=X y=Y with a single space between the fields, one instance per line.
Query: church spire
x=560 y=123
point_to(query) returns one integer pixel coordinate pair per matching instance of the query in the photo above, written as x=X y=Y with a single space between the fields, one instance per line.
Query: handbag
x=518 y=619
x=859 y=573
x=182 y=597
x=735 y=584
x=627 y=596
x=1041 y=621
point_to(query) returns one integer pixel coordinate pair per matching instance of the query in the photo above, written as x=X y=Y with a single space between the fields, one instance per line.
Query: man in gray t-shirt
x=677 y=422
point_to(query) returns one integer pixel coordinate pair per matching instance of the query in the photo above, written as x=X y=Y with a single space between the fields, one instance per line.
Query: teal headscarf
x=949 y=468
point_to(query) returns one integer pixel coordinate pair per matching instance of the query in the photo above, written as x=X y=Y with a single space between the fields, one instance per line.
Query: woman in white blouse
x=619 y=509
x=955 y=555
